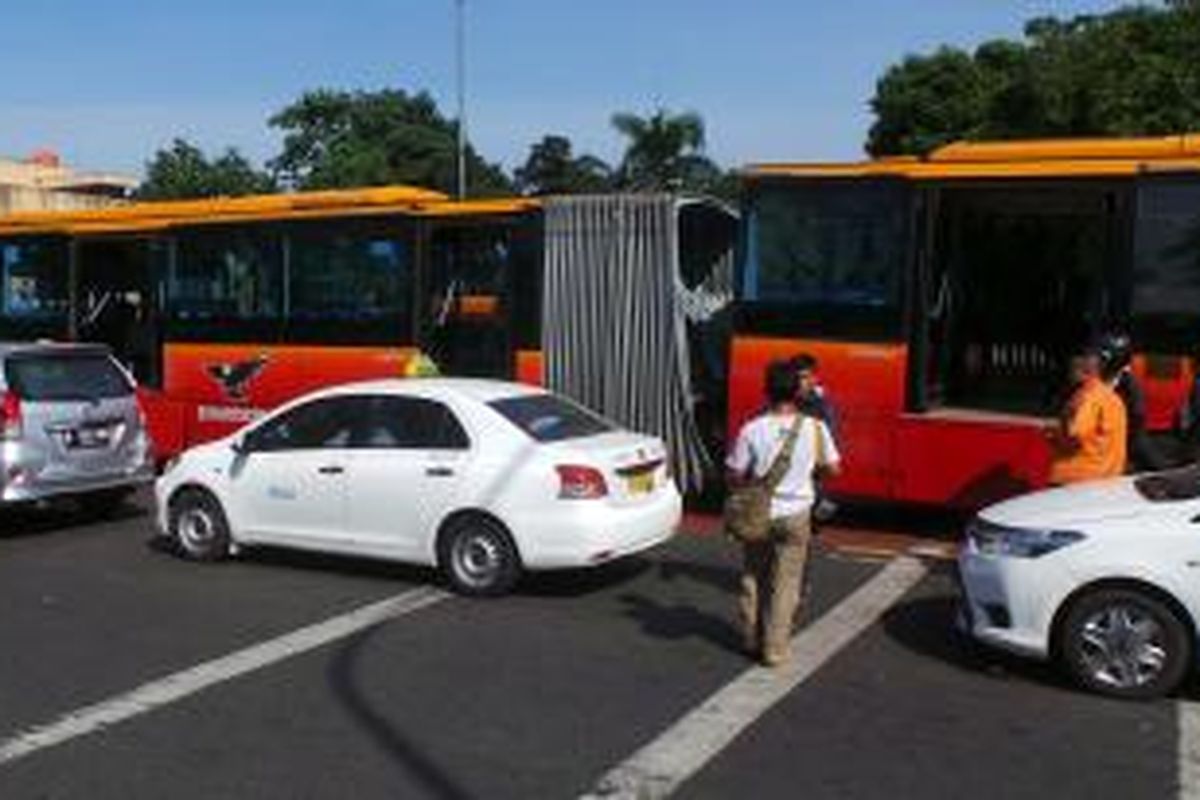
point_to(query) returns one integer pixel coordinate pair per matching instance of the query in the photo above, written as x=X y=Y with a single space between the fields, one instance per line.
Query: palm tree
x=664 y=150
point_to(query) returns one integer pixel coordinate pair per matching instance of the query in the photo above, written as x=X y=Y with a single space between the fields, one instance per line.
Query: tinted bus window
x=35 y=288
x=1166 y=294
x=828 y=255
x=349 y=286
x=227 y=285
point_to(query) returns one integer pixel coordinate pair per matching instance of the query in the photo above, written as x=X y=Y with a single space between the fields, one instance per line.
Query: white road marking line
x=1188 y=717
x=179 y=685
x=659 y=768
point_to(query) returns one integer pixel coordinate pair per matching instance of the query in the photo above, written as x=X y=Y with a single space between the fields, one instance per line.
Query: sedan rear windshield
x=548 y=418
x=63 y=376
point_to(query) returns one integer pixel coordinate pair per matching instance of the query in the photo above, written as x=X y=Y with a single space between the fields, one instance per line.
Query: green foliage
x=665 y=152
x=552 y=168
x=1134 y=71
x=183 y=171
x=339 y=139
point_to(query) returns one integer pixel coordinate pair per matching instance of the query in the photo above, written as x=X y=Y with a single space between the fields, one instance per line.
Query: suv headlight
x=992 y=539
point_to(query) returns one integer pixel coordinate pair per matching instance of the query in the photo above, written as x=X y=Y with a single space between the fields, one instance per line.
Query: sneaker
x=774 y=658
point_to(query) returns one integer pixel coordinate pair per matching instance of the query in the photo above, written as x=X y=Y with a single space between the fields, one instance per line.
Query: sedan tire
x=199 y=530
x=478 y=557
x=1125 y=643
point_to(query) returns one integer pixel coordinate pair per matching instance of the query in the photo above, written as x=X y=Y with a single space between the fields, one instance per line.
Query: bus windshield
x=826 y=243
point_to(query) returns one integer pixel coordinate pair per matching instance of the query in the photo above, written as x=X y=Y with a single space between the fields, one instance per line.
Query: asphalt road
x=533 y=696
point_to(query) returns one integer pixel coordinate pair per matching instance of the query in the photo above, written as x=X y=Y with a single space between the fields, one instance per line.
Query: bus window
x=466 y=288
x=830 y=256
x=1166 y=295
x=349 y=284
x=35 y=294
x=227 y=285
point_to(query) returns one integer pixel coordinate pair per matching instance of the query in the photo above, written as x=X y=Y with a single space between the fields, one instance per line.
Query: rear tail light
x=10 y=416
x=580 y=483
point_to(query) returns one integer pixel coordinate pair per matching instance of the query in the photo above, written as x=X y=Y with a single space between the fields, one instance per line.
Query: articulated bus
x=943 y=295
x=225 y=307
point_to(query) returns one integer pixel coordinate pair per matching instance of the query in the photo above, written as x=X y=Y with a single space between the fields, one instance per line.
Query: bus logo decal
x=234 y=377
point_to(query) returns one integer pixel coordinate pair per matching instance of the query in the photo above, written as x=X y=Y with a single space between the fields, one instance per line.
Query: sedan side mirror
x=243 y=445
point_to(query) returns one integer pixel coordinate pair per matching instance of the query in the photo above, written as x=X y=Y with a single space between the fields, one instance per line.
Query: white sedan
x=1104 y=577
x=480 y=478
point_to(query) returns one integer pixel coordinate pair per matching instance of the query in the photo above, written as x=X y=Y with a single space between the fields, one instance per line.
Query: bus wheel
x=198 y=526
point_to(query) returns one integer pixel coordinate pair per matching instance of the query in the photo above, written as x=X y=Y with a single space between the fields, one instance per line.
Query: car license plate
x=641 y=483
x=88 y=437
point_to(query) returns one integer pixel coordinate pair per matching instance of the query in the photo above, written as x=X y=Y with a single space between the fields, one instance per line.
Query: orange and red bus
x=942 y=296
x=226 y=307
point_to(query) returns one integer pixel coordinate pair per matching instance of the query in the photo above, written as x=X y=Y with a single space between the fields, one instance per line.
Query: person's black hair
x=805 y=362
x=782 y=382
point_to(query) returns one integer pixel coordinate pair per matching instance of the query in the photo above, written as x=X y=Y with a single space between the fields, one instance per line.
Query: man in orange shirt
x=1089 y=441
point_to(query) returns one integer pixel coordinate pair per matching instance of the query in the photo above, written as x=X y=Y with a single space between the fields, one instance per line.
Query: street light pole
x=460 y=58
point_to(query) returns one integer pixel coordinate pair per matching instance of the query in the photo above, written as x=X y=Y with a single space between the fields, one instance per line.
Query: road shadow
x=58 y=517
x=926 y=626
x=572 y=583
x=679 y=621
x=929 y=522
x=415 y=762
x=724 y=578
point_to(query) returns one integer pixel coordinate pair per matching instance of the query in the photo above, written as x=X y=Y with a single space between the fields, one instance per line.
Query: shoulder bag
x=747 y=512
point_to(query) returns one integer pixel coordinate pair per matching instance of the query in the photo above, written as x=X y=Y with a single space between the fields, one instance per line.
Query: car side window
x=410 y=423
x=325 y=423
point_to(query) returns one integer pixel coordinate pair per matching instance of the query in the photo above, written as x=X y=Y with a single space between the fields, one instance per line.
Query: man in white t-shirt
x=773 y=570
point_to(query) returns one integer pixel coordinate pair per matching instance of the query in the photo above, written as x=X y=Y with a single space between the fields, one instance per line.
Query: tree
x=552 y=168
x=664 y=152
x=183 y=171
x=1132 y=71
x=339 y=139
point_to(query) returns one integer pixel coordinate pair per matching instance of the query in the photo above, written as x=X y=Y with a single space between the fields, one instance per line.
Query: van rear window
x=548 y=418
x=66 y=376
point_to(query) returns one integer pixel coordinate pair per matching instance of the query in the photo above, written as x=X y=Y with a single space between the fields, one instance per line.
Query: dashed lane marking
x=179 y=685
x=659 y=768
x=1188 y=776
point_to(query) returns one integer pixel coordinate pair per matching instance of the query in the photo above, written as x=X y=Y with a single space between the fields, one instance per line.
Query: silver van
x=70 y=426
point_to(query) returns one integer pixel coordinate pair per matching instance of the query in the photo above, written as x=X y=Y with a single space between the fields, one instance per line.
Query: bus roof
x=1033 y=158
x=157 y=215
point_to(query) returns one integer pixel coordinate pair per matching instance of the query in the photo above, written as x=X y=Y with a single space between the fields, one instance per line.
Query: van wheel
x=1125 y=643
x=478 y=557
x=198 y=526
x=101 y=505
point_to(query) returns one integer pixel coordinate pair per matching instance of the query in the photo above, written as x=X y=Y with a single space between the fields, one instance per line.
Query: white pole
x=460 y=51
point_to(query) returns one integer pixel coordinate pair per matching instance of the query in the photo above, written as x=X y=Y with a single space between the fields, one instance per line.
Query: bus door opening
x=1013 y=282
x=1019 y=279
x=116 y=302
x=465 y=324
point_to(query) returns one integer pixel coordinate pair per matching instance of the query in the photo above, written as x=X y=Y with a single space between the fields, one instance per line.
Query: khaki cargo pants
x=772 y=574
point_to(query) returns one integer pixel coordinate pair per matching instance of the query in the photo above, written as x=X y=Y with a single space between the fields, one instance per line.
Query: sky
x=106 y=84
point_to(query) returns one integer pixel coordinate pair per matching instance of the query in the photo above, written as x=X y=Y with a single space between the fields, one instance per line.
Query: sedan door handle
x=439 y=472
x=331 y=470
